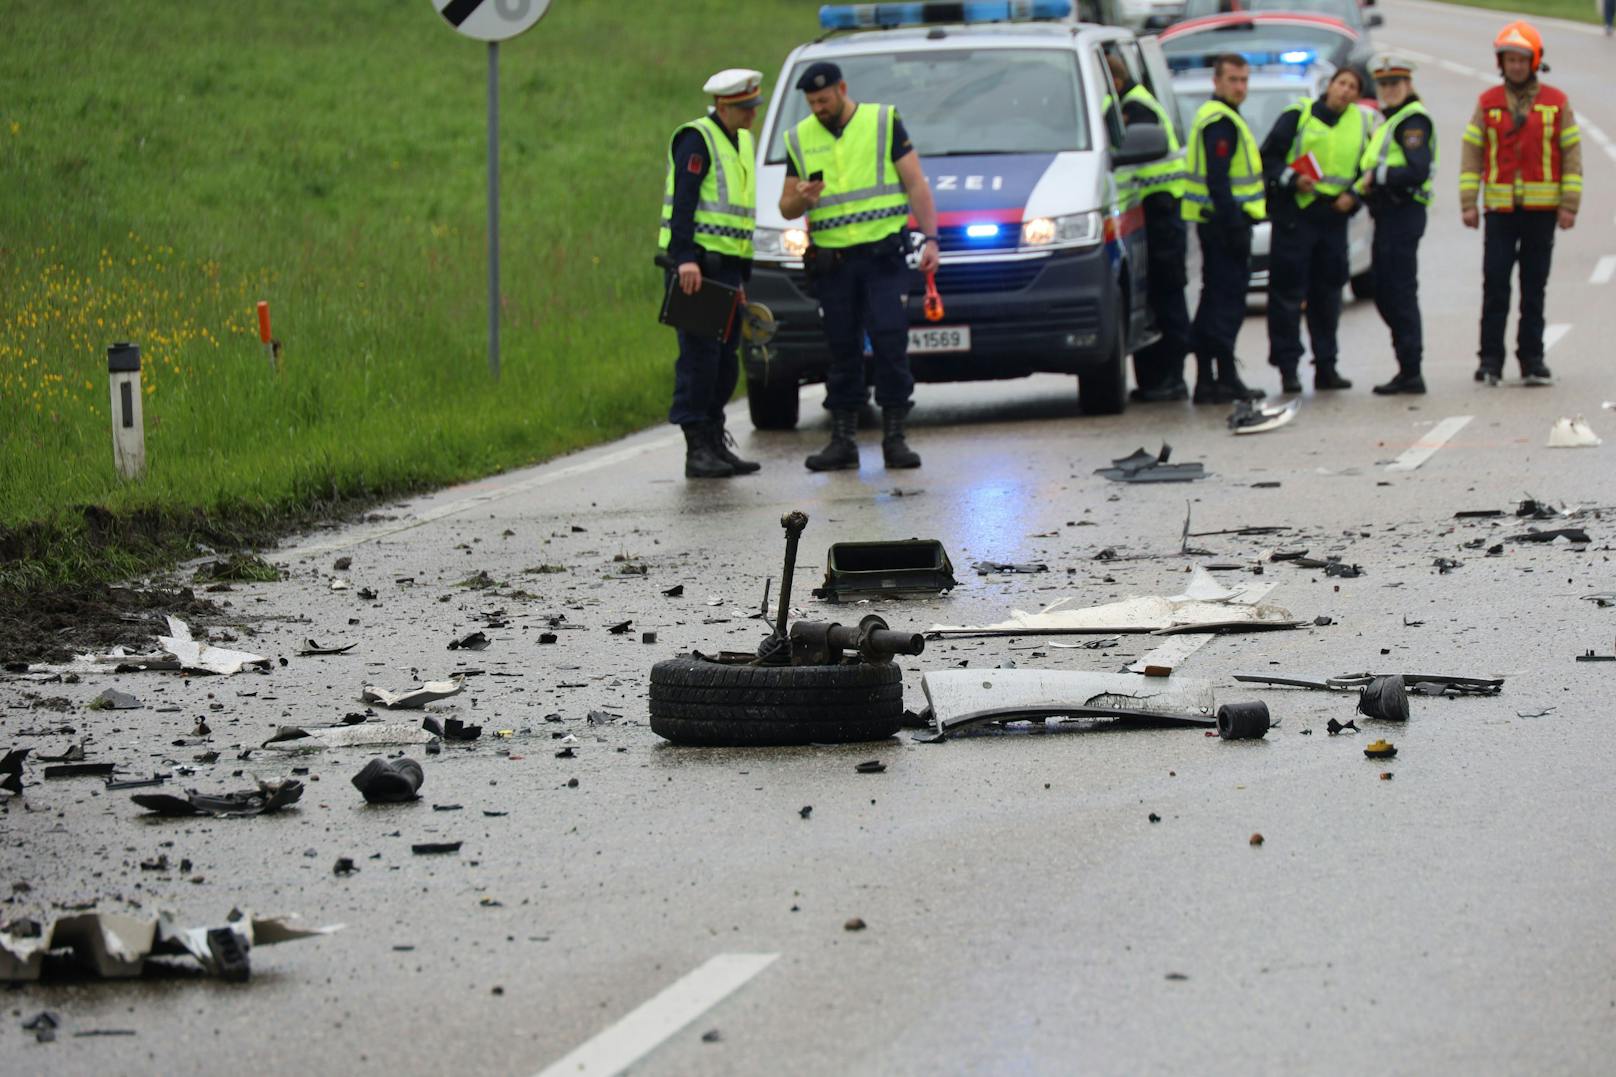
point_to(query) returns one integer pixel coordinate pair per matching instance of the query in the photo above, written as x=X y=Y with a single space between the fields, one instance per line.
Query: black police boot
x=1404 y=382
x=842 y=452
x=701 y=462
x=895 y=451
x=1535 y=373
x=1325 y=377
x=1288 y=381
x=1490 y=372
x=1229 y=388
x=1204 y=380
x=721 y=446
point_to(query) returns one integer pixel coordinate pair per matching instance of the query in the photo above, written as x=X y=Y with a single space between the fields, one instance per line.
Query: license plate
x=940 y=338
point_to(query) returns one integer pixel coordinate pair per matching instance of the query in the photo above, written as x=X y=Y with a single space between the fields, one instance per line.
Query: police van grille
x=987 y=276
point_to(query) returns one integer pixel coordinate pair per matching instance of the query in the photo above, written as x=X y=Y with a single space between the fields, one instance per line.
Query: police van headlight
x=779 y=242
x=1072 y=230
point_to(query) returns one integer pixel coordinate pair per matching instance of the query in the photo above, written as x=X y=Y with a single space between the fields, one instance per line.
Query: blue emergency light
x=981 y=231
x=1297 y=56
x=874 y=16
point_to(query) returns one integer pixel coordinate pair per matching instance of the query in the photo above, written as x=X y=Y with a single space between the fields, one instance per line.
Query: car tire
x=1103 y=390
x=695 y=701
x=1363 y=285
x=772 y=402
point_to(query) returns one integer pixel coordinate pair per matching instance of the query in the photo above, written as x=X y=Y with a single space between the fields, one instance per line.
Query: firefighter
x=1398 y=168
x=852 y=169
x=708 y=209
x=1522 y=159
x=1308 y=253
x=1159 y=368
x=1223 y=195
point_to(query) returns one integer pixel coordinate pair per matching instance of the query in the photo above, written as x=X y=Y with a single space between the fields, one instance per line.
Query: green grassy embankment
x=1575 y=10
x=164 y=166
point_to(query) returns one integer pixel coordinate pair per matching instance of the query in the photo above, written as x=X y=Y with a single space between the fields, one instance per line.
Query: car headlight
x=1073 y=230
x=779 y=242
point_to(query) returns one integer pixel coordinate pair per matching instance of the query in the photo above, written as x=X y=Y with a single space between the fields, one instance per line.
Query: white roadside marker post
x=128 y=422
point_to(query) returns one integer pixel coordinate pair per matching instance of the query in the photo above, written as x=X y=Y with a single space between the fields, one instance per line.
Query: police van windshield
x=963 y=101
x=1260 y=110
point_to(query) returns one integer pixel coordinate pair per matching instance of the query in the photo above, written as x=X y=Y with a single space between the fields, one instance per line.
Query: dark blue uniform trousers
x=1398 y=230
x=1225 y=274
x=863 y=295
x=1526 y=236
x=707 y=371
x=1307 y=259
x=1162 y=364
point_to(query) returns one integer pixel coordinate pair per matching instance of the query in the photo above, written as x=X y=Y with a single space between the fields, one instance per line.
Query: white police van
x=1010 y=105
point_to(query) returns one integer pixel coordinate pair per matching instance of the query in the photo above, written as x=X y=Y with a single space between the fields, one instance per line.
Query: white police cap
x=1391 y=65
x=736 y=86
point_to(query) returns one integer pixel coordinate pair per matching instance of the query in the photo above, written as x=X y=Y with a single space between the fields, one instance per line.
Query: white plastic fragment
x=1572 y=433
x=197 y=656
x=413 y=698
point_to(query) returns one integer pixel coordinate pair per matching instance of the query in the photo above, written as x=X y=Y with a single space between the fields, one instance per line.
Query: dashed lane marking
x=644 y=1029
x=1604 y=270
x=1422 y=450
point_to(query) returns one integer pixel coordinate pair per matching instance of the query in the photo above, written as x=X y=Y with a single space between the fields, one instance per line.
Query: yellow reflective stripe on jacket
x=726 y=207
x=1245 y=167
x=1472 y=134
x=864 y=199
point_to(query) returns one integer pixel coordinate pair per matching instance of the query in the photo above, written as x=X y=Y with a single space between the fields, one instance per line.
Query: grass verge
x=1574 y=10
x=164 y=166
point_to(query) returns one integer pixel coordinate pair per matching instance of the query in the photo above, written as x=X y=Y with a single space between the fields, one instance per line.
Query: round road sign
x=491 y=20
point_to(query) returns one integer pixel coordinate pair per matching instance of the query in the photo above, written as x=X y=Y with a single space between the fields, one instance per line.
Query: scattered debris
x=269 y=797
x=711 y=1036
x=620 y=628
x=197 y=656
x=311 y=648
x=413 y=698
x=1143 y=467
x=1255 y=839
x=911 y=566
x=854 y=923
x=389 y=781
x=1243 y=721
x=1570 y=534
x=963 y=697
x=1384 y=698
x=870 y=766
x=1585 y=656
x=43 y=1025
x=364 y=735
x=80 y=770
x=1602 y=599
x=434 y=848
x=451 y=729
x=1334 y=727
x=11 y=770
x=986 y=568
x=1424 y=683
x=238 y=568
x=1255 y=417
x=676 y=591
x=113 y=700
x=1380 y=749
x=806 y=810
x=471 y=641
x=1445 y=565
x=1572 y=433
x=1204 y=607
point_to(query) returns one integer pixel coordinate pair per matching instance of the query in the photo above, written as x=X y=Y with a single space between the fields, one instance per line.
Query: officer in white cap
x=1398 y=167
x=708 y=211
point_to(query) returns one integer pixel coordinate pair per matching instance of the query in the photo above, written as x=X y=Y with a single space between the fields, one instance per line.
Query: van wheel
x=1363 y=285
x=772 y=402
x=1104 y=389
x=700 y=702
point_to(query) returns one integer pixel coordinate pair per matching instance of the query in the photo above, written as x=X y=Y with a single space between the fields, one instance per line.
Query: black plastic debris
x=114 y=700
x=1534 y=509
x=342 y=564
x=1590 y=656
x=43 y=1025
x=1384 y=698
x=343 y=866
x=312 y=648
x=871 y=766
x=1334 y=727
x=620 y=628
x=228 y=952
x=79 y=770
x=268 y=797
x=11 y=770
x=676 y=591
x=451 y=729
x=1344 y=571
x=1323 y=621
x=712 y=1035
x=434 y=848
x=1445 y=565
x=1143 y=467
x=471 y=641
x=601 y=717
x=548 y=637
x=1243 y=721
x=136 y=783
x=1477 y=514
x=1570 y=534
x=566 y=753
x=806 y=810
x=988 y=568
x=74 y=754
x=389 y=781
x=908 y=566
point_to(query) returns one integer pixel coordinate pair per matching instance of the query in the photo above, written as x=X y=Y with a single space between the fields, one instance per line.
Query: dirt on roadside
x=55 y=624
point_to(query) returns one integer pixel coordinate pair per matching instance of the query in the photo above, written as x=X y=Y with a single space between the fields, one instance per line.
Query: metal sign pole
x=493 y=209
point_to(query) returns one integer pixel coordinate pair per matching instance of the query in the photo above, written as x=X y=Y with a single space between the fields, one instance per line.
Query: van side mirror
x=1141 y=142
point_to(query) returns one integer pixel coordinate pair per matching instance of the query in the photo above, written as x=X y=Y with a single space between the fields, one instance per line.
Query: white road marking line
x=1172 y=653
x=1604 y=271
x=1426 y=447
x=1553 y=333
x=1594 y=131
x=1456 y=68
x=642 y=1030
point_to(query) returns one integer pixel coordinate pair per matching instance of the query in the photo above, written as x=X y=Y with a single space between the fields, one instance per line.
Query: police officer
x=1398 y=168
x=1223 y=194
x=1159 y=368
x=853 y=170
x=1522 y=158
x=1308 y=253
x=708 y=209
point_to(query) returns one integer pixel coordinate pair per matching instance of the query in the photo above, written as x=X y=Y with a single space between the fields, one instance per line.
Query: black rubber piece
x=1243 y=721
x=1384 y=697
x=714 y=704
x=389 y=781
x=230 y=960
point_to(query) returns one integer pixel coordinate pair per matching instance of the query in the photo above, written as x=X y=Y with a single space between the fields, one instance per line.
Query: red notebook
x=1307 y=165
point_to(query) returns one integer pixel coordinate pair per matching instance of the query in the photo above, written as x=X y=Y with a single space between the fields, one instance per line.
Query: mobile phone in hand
x=816 y=177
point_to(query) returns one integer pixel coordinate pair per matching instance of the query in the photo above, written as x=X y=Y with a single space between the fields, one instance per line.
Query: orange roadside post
x=263 y=332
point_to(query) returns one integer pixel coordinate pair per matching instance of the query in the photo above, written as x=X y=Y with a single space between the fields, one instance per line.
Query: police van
x=1011 y=107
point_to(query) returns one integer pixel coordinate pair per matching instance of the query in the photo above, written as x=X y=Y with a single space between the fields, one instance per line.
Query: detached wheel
x=772 y=402
x=1104 y=390
x=1363 y=285
x=694 y=701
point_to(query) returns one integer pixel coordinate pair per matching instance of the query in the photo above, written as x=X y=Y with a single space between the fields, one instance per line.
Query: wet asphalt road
x=1023 y=912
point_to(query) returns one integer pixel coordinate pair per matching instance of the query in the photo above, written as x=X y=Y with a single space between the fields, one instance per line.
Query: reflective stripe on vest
x=863 y=200
x=726 y=206
x=1337 y=149
x=1383 y=149
x=1168 y=173
x=1245 y=167
x=1523 y=161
